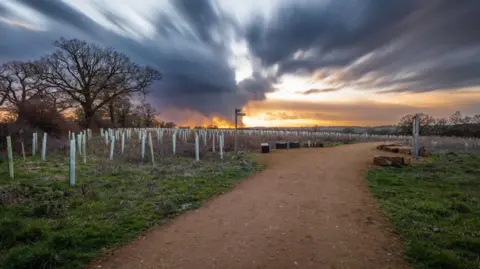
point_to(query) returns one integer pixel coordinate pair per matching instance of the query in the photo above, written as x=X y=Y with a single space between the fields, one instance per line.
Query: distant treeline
x=455 y=125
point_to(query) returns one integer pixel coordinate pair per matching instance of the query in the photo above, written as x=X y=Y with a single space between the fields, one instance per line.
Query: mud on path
x=310 y=208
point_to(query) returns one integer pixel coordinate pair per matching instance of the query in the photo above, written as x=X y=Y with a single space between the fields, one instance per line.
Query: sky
x=284 y=62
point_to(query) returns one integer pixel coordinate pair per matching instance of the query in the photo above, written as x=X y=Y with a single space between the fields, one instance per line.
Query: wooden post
x=10 y=157
x=72 y=163
x=236 y=122
x=44 y=147
x=112 y=147
x=23 y=152
x=197 y=154
x=151 y=147
x=213 y=143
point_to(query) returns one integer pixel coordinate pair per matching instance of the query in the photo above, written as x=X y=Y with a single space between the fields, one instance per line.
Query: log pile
x=399 y=148
x=392 y=160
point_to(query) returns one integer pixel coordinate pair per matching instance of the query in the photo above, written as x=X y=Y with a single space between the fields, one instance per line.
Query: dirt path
x=310 y=208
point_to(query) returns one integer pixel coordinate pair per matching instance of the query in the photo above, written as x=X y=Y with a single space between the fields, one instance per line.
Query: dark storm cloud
x=62 y=13
x=376 y=44
x=257 y=86
x=190 y=50
x=344 y=24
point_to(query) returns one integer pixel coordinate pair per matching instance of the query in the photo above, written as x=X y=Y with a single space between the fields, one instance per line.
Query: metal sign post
x=238 y=113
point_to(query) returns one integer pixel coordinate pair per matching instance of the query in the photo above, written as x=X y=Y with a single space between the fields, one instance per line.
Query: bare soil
x=310 y=208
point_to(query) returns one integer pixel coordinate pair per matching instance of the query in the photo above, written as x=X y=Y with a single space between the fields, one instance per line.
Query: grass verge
x=44 y=223
x=435 y=206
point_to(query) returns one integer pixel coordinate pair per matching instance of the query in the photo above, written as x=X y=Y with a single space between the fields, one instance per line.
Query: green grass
x=44 y=223
x=435 y=206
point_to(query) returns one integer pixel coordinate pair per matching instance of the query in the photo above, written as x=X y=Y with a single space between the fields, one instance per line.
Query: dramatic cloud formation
x=218 y=55
x=384 y=45
x=190 y=47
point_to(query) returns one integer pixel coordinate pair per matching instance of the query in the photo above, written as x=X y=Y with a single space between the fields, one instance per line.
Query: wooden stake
x=23 y=152
x=213 y=143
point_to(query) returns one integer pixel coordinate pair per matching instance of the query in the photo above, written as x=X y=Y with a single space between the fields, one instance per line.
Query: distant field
x=44 y=223
x=435 y=206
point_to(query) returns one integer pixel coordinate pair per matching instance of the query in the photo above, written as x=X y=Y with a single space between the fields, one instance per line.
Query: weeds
x=435 y=206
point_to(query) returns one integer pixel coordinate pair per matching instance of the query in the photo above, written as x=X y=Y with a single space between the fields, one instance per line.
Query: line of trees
x=454 y=125
x=82 y=79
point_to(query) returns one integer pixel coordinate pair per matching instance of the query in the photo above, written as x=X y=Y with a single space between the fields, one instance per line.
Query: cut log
x=391 y=149
x=405 y=150
x=395 y=160
x=380 y=160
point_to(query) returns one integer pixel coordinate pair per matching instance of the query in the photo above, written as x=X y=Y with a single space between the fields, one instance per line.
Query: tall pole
x=236 y=140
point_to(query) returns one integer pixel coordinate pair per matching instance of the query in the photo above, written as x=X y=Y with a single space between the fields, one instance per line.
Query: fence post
x=72 y=163
x=10 y=157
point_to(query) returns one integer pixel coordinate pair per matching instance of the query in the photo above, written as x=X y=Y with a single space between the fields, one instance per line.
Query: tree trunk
x=22 y=114
x=111 y=111
x=89 y=117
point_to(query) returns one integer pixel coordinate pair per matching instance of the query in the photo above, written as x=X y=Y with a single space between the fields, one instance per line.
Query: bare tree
x=85 y=72
x=405 y=124
x=147 y=114
x=476 y=119
x=3 y=95
x=20 y=86
x=124 y=109
x=456 y=118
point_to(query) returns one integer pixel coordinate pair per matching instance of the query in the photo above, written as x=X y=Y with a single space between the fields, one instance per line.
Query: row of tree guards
x=78 y=142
